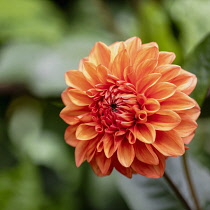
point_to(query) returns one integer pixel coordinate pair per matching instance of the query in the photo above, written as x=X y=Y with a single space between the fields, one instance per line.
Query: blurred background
x=39 y=41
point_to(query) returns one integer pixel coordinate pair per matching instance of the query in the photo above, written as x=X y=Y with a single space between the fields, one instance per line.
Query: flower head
x=128 y=108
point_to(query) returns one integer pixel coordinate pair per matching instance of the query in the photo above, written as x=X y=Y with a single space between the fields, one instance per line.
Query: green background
x=39 y=41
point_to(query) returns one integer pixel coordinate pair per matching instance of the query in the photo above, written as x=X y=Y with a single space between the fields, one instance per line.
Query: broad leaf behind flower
x=198 y=63
x=143 y=193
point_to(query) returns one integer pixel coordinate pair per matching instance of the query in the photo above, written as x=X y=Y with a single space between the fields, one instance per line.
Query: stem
x=190 y=183
x=177 y=192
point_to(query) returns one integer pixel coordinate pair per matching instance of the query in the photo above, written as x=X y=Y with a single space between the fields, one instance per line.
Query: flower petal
x=79 y=98
x=73 y=76
x=188 y=139
x=102 y=72
x=168 y=72
x=164 y=120
x=161 y=91
x=125 y=153
x=147 y=51
x=97 y=170
x=188 y=90
x=141 y=116
x=109 y=147
x=186 y=127
x=81 y=63
x=151 y=106
x=92 y=148
x=70 y=137
x=146 y=82
x=179 y=101
x=70 y=114
x=192 y=113
x=116 y=48
x=169 y=143
x=85 y=118
x=185 y=82
x=65 y=97
x=103 y=162
x=80 y=152
x=90 y=73
x=100 y=54
x=144 y=68
x=126 y=171
x=166 y=58
x=130 y=137
x=133 y=45
x=145 y=133
x=150 y=171
x=120 y=62
x=86 y=131
x=145 y=153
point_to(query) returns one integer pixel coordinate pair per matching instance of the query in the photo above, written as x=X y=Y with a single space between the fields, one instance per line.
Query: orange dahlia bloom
x=128 y=108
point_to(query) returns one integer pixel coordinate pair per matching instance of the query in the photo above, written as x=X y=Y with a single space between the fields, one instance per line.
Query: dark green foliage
x=40 y=41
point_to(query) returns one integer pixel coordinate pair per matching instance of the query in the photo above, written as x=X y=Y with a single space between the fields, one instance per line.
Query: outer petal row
x=165 y=58
x=73 y=76
x=164 y=120
x=151 y=171
x=178 y=101
x=72 y=114
x=100 y=54
x=169 y=143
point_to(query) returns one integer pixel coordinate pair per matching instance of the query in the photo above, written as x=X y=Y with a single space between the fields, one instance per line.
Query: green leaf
x=200 y=146
x=192 y=18
x=143 y=193
x=200 y=177
x=155 y=27
x=198 y=62
x=30 y=20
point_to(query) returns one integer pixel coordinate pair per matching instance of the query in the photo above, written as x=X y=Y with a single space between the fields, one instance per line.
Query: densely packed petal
x=128 y=108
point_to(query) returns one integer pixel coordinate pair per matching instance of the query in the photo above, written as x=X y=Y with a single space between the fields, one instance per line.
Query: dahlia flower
x=128 y=108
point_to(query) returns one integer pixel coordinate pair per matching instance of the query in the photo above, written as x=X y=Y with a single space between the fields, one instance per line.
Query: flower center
x=114 y=107
x=117 y=108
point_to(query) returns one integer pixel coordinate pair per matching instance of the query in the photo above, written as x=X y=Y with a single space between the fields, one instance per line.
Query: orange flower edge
x=128 y=108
